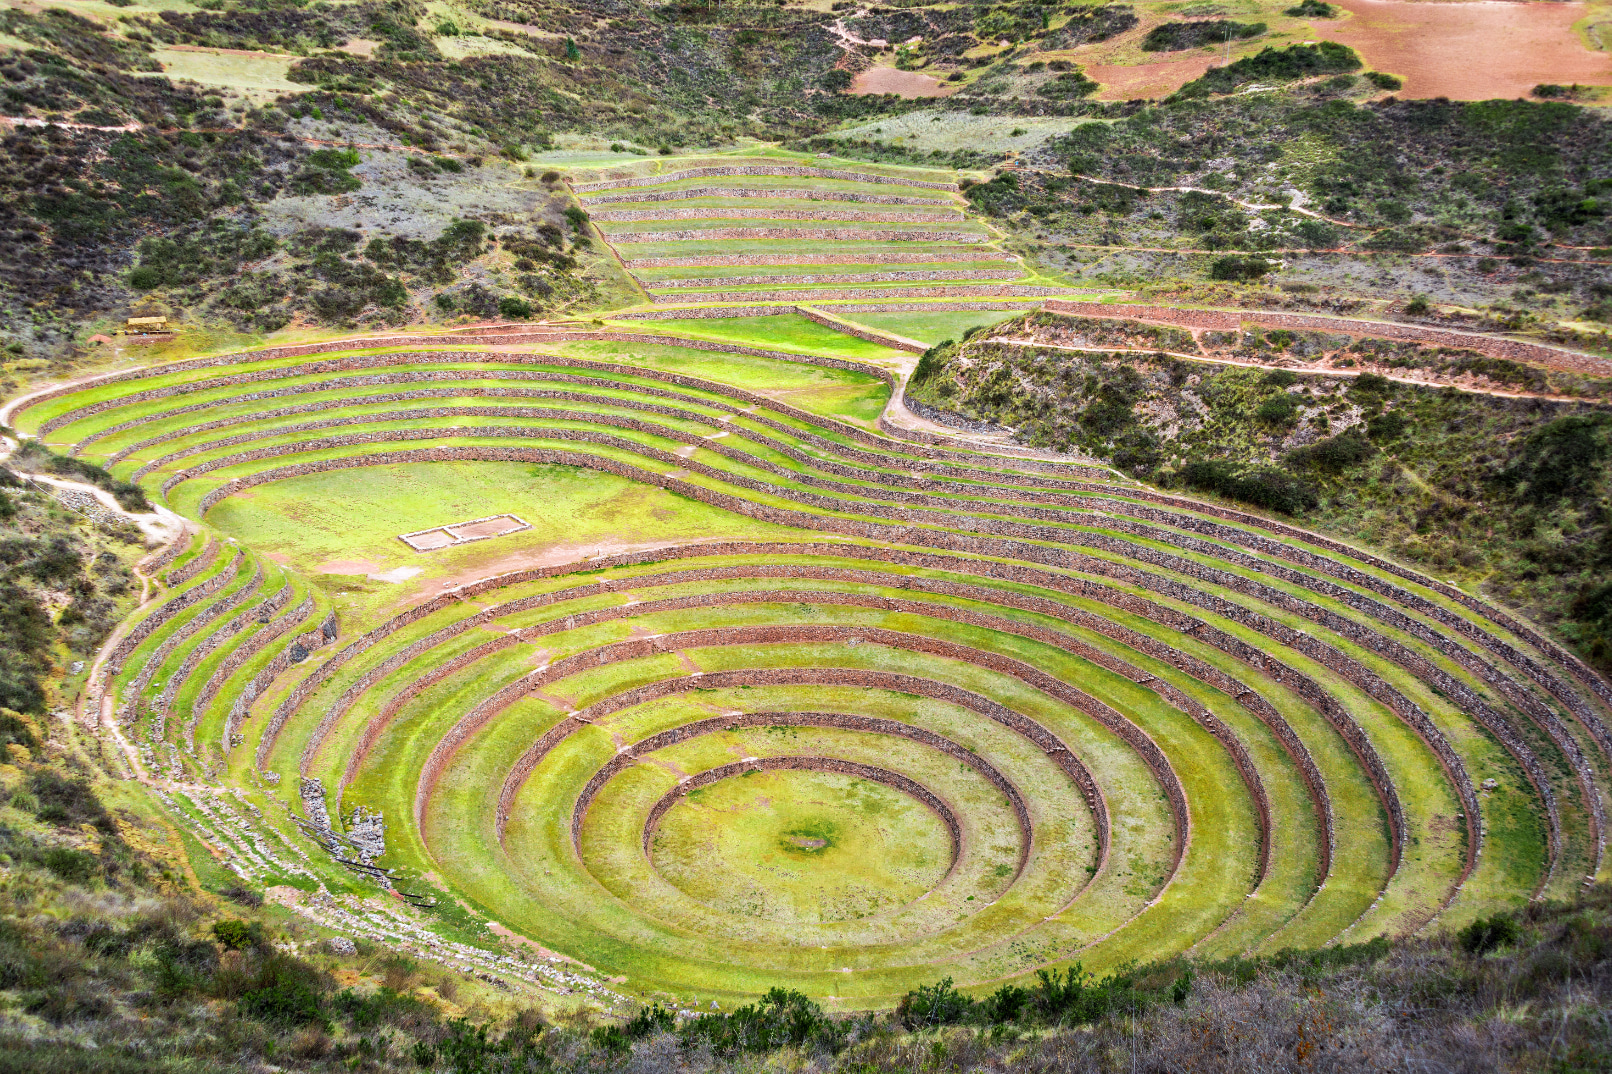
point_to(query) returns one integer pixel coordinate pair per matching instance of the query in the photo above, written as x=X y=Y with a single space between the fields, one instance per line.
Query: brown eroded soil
x=1122 y=83
x=1470 y=51
x=901 y=83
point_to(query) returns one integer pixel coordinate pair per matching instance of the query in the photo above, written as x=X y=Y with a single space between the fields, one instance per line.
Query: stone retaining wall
x=1245 y=697
x=169 y=608
x=802 y=764
x=947 y=215
x=199 y=652
x=775 y=193
x=294 y=653
x=254 y=645
x=840 y=721
x=204 y=559
x=1049 y=743
x=158 y=657
x=795 y=171
x=959 y=542
x=845 y=294
x=265 y=615
x=859 y=257
x=834 y=277
x=1233 y=320
x=798 y=234
x=872 y=335
x=1118 y=724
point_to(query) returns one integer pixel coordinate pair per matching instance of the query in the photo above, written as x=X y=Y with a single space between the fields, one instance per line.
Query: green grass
x=928 y=328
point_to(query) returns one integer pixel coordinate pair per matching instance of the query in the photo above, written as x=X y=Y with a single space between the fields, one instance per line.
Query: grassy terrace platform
x=764 y=690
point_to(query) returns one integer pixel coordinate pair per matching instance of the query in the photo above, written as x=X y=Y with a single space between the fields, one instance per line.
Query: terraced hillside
x=757 y=688
x=736 y=231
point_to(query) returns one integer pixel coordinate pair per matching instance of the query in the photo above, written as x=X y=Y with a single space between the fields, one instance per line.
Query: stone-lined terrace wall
x=272 y=628
x=860 y=257
x=871 y=725
x=946 y=215
x=783 y=170
x=895 y=276
x=294 y=653
x=1233 y=320
x=800 y=764
x=776 y=193
x=1344 y=666
x=204 y=559
x=1049 y=743
x=1134 y=737
x=825 y=234
x=843 y=294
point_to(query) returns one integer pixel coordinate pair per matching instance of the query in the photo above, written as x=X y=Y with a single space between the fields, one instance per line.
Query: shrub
x=928 y=1006
x=1312 y=9
x=514 y=306
x=1277 y=65
x=1487 y=934
x=1387 y=426
x=1334 y=454
x=71 y=866
x=1278 y=409
x=1382 y=80
x=1233 y=267
x=1176 y=36
x=238 y=935
x=782 y=1018
x=1267 y=488
x=836 y=80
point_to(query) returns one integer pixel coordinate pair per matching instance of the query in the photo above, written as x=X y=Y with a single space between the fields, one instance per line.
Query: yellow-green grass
x=928 y=328
x=941 y=210
x=805 y=185
x=799 y=846
x=789 y=330
x=624 y=229
x=1281 y=913
x=356 y=515
x=969 y=677
x=852 y=251
x=260 y=75
x=660 y=277
x=1000 y=639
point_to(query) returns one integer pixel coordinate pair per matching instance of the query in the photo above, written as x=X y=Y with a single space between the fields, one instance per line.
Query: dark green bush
x=1267 y=488
x=71 y=866
x=1312 y=9
x=1487 y=934
x=1334 y=454
x=1233 y=267
x=1278 y=409
x=239 y=935
x=1387 y=426
x=782 y=1018
x=513 y=306
x=1383 y=80
x=1276 y=65
x=1176 y=36
x=928 y=1006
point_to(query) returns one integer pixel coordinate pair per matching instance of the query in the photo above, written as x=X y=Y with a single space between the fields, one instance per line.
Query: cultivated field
x=744 y=682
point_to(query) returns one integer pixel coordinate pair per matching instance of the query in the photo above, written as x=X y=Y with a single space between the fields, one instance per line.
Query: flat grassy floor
x=928 y=328
x=344 y=525
x=789 y=331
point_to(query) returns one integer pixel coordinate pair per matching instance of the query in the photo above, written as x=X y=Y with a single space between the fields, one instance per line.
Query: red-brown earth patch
x=1470 y=51
x=1122 y=83
x=901 y=83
